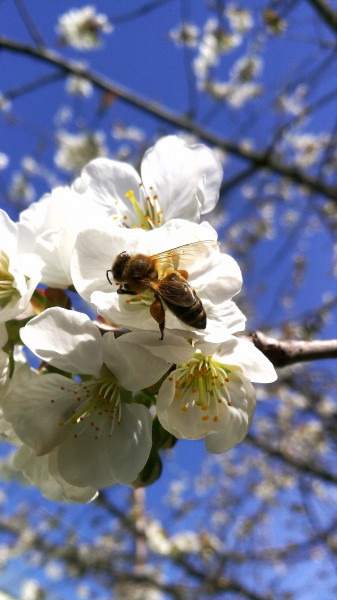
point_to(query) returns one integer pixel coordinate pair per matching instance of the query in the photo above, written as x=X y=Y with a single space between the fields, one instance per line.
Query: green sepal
x=161 y=439
x=151 y=472
x=13 y=331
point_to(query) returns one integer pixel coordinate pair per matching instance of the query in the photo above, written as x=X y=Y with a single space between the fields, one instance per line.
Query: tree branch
x=287 y=352
x=305 y=468
x=328 y=14
x=261 y=160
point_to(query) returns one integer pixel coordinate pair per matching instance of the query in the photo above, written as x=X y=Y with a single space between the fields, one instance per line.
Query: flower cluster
x=81 y=27
x=156 y=360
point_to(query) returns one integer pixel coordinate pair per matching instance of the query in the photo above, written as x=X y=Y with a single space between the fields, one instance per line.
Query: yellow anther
x=205 y=418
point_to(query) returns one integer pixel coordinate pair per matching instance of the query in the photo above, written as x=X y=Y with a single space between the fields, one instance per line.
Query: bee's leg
x=158 y=314
x=123 y=290
x=183 y=273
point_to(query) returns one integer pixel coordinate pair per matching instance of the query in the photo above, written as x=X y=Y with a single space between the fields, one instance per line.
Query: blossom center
x=99 y=406
x=7 y=281
x=202 y=383
x=152 y=216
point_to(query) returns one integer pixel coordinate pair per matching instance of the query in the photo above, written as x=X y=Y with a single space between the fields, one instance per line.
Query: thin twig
x=260 y=159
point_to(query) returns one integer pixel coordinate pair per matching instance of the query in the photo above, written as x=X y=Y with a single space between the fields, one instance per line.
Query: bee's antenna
x=107 y=276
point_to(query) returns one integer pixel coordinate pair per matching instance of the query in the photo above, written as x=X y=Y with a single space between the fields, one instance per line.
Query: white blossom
x=307 y=147
x=240 y=19
x=293 y=103
x=87 y=431
x=210 y=395
x=214 y=42
x=21 y=189
x=51 y=226
x=177 y=180
x=81 y=27
x=4 y=160
x=5 y=104
x=19 y=275
x=76 y=150
x=79 y=86
x=185 y=34
x=132 y=134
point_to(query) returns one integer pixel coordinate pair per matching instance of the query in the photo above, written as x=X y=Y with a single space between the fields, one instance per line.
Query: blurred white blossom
x=76 y=150
x=81 y=27
x=79 y=86
x=240 y=19
x=185 y=34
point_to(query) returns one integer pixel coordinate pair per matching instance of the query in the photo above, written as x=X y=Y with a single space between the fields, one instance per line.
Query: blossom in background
x=185 y=34
x=307 y=147
x=216 y=277
x=130 y=133
x=211 y=396
x=91 y=430
x=19 y=274
x=177 y=180
x=236 y=95
x=294 y=103
x=76 y=149
x=240 y=19
x=240 y=88
x=4 y=160
x=81 y=27
x=79 y=86
x=214 y=42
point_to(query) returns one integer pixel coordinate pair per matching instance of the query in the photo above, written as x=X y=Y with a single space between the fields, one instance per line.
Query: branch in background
x=325 y=11
x=260 y=160
x=28 y=21
x=307 y=468
x=288 y=352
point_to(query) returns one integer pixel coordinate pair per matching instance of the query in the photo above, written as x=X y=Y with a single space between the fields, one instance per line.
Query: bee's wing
x=177 y=292
x=185 y=256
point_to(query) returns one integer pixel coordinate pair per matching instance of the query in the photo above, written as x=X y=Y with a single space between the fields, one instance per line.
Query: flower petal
x=172 y=349
x=255 y=365
x=39 y=410
x=185 y=177
x=9 y=234
x=133 y=364
x=37 y=469
x=183 y=417
x=65 y=339
x=242 y=395
x=108 y=457
x=107 y=183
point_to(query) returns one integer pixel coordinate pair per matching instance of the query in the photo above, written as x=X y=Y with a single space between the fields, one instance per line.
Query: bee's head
x=119 y=265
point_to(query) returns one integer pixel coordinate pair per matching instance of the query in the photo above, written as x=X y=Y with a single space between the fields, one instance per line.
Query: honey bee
x=160 y=275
